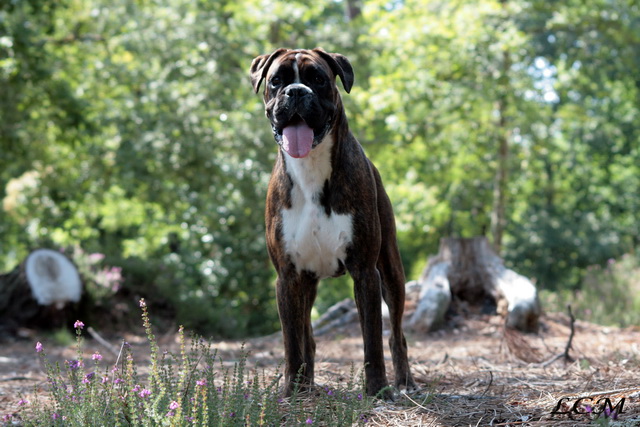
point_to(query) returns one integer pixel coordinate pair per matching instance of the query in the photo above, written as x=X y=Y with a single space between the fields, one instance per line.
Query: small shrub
x=101 y=281
x=190 y=388
x=609 y=295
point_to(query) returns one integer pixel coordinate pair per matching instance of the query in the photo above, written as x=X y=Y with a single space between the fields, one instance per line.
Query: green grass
x=190 y=388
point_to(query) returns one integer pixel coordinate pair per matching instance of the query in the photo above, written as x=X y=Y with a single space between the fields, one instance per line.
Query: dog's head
x=301 y=97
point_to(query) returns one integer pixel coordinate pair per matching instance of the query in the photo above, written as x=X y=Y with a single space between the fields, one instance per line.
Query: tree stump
x=36 y=292
x=469 y=276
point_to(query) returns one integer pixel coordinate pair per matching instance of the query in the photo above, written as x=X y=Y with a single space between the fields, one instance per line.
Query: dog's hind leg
x=393 y=289
x=394 y=295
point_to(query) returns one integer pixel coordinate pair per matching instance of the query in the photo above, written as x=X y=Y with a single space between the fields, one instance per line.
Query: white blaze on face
x=297 y=140
x=296 y=68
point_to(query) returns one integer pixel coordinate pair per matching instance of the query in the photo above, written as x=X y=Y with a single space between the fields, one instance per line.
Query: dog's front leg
x=368 y=300
x=296 y=294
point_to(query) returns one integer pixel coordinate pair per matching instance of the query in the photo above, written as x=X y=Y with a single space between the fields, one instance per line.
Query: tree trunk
x=498 y=214
x=35 y=293
x=478 y=282
x=353 y=9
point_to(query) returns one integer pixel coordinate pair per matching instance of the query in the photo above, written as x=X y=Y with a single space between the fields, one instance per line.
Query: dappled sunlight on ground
x=470 y=375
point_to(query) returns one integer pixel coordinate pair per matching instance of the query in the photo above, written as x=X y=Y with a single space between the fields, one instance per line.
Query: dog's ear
x=260 y=65
x=340 y=66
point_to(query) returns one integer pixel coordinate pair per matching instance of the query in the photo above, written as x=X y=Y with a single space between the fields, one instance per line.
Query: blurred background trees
x=128 y=128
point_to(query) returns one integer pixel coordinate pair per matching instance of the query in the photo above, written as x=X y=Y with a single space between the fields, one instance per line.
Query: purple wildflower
x=202 y=382
x=87 y=378
x=172 y=406
x=96 y=356
x=73 y=364
x=23 y=402
x=142 y=303
x=145 y=393
x=608 y=413
x=39 y=347
x=309 y=421
x=105 y=379
x=118 y=381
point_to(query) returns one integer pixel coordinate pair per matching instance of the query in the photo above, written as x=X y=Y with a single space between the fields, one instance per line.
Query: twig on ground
x=488 y=385
x=94 y=334
x=18 y=379
x=565 y=354
x=573 y=330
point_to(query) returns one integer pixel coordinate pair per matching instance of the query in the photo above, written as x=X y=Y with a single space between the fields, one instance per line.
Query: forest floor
x=472 y=375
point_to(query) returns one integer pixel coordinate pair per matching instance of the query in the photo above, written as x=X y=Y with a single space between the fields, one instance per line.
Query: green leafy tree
x=129 y=128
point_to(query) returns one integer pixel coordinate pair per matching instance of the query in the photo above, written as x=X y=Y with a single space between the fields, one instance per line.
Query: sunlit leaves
x=130 y=127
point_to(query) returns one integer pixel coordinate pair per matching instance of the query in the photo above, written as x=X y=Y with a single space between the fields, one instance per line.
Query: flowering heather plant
x=101 y=281
x=190 y=388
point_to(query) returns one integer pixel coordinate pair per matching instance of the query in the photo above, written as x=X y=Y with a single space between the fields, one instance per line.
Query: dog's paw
x=408 y=385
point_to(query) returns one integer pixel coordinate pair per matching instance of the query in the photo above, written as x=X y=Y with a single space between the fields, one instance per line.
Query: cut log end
x=37 y=292
x=52 y=277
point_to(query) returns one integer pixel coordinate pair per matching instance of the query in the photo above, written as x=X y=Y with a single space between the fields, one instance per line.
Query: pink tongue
x=297 y=140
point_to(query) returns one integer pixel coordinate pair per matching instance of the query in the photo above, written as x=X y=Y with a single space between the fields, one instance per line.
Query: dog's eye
x=319 y=80
x=275 y=81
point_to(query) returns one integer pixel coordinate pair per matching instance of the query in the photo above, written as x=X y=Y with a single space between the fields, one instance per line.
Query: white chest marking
x=315 y=241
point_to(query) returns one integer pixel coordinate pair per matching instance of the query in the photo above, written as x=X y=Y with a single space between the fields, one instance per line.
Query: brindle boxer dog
x=327 y=212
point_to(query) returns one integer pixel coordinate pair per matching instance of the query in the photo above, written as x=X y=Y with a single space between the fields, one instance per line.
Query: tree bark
x=353 y=9
x=498 y=214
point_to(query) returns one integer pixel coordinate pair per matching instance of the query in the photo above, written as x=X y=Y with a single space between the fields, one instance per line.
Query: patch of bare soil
x=473 y=375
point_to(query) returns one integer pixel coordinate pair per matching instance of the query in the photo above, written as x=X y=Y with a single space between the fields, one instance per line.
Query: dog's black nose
x=297 y=90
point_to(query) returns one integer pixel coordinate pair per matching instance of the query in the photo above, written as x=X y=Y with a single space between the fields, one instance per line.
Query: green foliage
x=609 y=295
x=129 y=128
x=193 y=387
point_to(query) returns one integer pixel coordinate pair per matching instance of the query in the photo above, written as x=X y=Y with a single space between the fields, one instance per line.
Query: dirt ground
x=475 y=374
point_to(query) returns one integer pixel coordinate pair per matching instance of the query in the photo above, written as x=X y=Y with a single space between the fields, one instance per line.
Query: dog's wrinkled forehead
x=300 y=61
x=297 y=61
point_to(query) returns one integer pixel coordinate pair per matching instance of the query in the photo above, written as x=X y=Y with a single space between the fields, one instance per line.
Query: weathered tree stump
x=468 y=276
x=36 y=292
